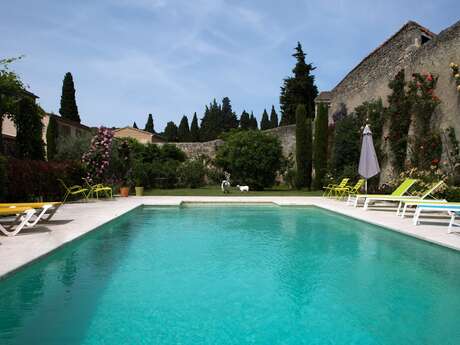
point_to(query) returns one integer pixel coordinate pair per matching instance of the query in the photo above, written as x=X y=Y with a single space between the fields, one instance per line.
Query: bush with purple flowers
x=97 y=159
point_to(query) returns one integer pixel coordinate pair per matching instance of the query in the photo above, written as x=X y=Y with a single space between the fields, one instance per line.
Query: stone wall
x=285 y=134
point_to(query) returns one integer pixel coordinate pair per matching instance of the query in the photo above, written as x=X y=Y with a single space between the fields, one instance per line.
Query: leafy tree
x=212 y=122
x=11 y=89
x=149 y=127
x=230 y=120
x=51 y=138
x=320 y=146
x=303 y=147
x=245 y=122
x=252 y=122
x=265 y=122
x=71 y=148
x=135 y=125
x=299 y=89
x=29 y=129
x=194 y=129
x=183 y=133
x=346 y=147
x=170 y=132
x=69 y=109
x=273 y=118
x=252 y=157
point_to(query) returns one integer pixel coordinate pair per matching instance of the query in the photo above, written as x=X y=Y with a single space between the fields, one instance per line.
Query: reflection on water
x=236 y=275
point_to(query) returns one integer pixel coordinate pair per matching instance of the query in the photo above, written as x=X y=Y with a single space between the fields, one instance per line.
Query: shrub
x=97 y=159
x=191 y=173
x=320 y=146
x=253 y=158
x=37 y=180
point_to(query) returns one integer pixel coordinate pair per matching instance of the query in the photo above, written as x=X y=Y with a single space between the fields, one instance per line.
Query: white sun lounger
x=453 y=209
x=26 y=217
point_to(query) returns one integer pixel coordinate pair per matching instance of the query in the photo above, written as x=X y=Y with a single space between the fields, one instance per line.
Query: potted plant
x=139 y=177
x=126 y=184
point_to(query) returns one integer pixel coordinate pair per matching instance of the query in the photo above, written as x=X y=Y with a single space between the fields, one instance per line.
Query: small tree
x=303 y=148
x=194 y=129
x=245 y=122
x=149 y=127
x=265 y=122
x=320 y=145
x=252 y=122
x=253 y=158
x=51 y=138
x=135 y=125
x=273 y=118
x=171 y=132
x=183 y=132
x=69 y=109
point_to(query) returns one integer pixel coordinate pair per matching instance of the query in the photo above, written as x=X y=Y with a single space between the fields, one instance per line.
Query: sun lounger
x=453 y=209
x=400 y=191
x=26 y=217
x=329 y=189
x=51 y=207
x=401 y=199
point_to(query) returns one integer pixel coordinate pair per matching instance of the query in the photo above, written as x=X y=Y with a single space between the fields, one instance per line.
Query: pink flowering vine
x=97 y=159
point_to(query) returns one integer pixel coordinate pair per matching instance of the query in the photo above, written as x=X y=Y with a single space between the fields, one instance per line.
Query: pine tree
x=51 y=138
x=252 y=122
x=69 y=109
x=149 y=127
x=303 y=145
x=194 y=129
x=320 y=145
x=273 y=118
x=170 y=132
x=183 y=132
x=265 y=122
x=229 y=118
x=135 y=125
x=212 y=122
x=245 y=122
x=299 y=89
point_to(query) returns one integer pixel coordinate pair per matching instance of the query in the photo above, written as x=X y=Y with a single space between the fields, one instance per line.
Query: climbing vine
x=425 y=144
x=455 y=73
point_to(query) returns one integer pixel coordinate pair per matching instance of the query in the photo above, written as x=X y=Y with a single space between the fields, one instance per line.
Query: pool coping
x=81 y=218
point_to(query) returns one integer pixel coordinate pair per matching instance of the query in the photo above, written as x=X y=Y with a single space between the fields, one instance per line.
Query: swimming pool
x=236 y=275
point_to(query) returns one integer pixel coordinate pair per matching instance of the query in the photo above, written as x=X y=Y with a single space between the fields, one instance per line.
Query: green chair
x=342 y=192
x=73 y=191
x=329 y=189
x=99 y=188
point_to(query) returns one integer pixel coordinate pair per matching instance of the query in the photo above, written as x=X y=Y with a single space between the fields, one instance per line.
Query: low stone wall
x=285 y=134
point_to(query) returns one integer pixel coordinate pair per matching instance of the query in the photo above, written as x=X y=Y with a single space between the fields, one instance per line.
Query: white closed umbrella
x=368 y=162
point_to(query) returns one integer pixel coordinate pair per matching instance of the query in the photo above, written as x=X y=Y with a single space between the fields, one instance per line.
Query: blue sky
x=171 y=57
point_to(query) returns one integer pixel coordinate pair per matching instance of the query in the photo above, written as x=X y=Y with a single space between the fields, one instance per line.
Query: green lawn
x=216 y=191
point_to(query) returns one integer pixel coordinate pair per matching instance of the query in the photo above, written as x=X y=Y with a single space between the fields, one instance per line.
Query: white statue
x=225 y=185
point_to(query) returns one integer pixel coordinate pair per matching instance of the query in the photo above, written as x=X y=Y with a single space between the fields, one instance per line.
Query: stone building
x=141 y=136
x=415 y=49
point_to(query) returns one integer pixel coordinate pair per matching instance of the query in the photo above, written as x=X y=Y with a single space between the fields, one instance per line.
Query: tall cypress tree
x=51 y=138
x=29 y=130
x=149 y=126
x=252 y=122
x=245 y=122
x=320 y=145
x=265 y=122
x=69 y=109
x=135 y=125
x=299 y=89
x=229 y=118
x=212 y=122
x=194 y=129
x=170 y=132
x=273 y=118
x=303 y=154
x=183 y=132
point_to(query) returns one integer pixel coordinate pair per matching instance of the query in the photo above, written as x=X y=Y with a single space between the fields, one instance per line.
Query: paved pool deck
x=76 y=219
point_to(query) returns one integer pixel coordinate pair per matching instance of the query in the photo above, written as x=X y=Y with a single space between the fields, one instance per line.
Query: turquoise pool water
x=236 y=275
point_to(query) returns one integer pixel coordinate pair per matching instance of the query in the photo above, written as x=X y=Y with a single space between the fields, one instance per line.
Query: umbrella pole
x=366 y=186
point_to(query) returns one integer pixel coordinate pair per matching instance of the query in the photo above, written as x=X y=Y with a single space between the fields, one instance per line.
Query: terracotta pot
x=139 y=191
x=124 y=191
